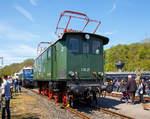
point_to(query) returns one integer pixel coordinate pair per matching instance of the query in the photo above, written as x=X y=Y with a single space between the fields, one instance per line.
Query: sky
x=25 y=23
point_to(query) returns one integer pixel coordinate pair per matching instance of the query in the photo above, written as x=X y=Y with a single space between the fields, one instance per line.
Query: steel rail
x=78 y=113
x=112 y=113
x=83 y=116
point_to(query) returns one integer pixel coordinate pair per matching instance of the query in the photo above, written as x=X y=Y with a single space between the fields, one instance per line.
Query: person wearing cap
x=16 y=84
x=6 y=96
x=131 y=88
x=122 y=85
x=141 y=90
x=0 y=91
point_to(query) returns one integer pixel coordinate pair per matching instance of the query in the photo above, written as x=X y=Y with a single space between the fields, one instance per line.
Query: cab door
x=85 y=68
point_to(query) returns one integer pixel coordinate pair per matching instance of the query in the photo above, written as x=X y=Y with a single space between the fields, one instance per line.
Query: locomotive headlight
x=87 y=36
x=71 y=73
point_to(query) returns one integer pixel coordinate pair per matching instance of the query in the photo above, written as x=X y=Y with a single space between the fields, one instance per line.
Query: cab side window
x=85 y=47
x=96 y=47
x=74 y=45
x=48 y=53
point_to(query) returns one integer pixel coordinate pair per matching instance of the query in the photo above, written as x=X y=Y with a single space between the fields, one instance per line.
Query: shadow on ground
x=102 y=103
x=108 y=103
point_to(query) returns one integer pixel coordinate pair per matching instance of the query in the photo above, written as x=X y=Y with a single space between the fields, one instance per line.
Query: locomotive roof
x=105 y=39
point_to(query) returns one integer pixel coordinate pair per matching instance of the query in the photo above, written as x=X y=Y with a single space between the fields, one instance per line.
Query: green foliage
x=136 y=56
x=15 y=67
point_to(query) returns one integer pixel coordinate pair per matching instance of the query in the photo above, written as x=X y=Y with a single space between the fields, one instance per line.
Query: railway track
x=84 y=115
x=81 y=115
x=112 y=113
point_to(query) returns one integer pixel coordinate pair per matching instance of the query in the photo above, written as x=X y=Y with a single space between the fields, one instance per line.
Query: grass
x=22 y=107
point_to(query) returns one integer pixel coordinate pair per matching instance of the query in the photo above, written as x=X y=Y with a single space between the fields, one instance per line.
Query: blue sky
x=24 y=23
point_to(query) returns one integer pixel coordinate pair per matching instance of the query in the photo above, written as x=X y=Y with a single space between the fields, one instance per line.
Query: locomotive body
x=73 y=66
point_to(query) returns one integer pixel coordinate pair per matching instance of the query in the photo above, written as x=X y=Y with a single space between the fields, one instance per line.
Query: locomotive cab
x=85 y=55
x=84 y=63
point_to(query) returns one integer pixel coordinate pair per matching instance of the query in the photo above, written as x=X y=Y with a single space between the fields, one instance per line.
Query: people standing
x=141 y=90
x=0 y=87
x=131 y=88
x=122 y=85
x=118 y=85
x=19 y=84
x=6 y=96
x=16 y=84
x=0 y=91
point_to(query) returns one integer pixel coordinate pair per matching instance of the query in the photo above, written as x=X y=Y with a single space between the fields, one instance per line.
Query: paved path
x=136 y=111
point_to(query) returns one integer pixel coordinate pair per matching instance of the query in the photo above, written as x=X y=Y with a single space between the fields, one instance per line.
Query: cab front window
x=74 y=45
x=96 y=47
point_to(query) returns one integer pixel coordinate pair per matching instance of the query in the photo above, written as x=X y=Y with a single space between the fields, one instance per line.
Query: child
x=125 y=96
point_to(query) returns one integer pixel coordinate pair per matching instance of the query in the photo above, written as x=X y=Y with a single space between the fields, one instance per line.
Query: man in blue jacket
x=6 y=94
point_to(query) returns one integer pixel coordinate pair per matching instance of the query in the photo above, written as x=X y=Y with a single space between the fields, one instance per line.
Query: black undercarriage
x=74 y=90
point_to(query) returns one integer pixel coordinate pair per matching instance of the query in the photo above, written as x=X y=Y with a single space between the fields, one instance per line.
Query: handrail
x=40 y=49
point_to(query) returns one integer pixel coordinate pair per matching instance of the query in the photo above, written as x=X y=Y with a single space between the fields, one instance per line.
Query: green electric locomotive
x=72 y=68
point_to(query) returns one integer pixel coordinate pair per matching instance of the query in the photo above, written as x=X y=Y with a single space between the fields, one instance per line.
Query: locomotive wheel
x=39 y=90
x=46 y=92
x=71 y=101
x=50 y=95
x=43 y=92
x=109 y=88
x=65 y=99
x=56 y=97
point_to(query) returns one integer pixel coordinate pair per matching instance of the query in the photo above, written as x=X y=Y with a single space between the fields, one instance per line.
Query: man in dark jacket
x=131 y=87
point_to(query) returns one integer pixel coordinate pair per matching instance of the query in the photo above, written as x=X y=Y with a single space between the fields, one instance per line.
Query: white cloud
x=1 y=36
x=27 y=36
x=110 y=33
x=23 y=46
x=24 y=12
x=24 y=49
x=10 y=33
x=7 y=57
x=17 y=45
x=33 y=2
x=113 y=8
x=4 y=27
x=17 y=54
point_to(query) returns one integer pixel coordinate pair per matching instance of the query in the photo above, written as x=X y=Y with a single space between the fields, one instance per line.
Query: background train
x=26 y=75
x=72 y=68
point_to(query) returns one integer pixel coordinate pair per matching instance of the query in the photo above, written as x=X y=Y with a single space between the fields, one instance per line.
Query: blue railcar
x=27 y=77
x=28 y=74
